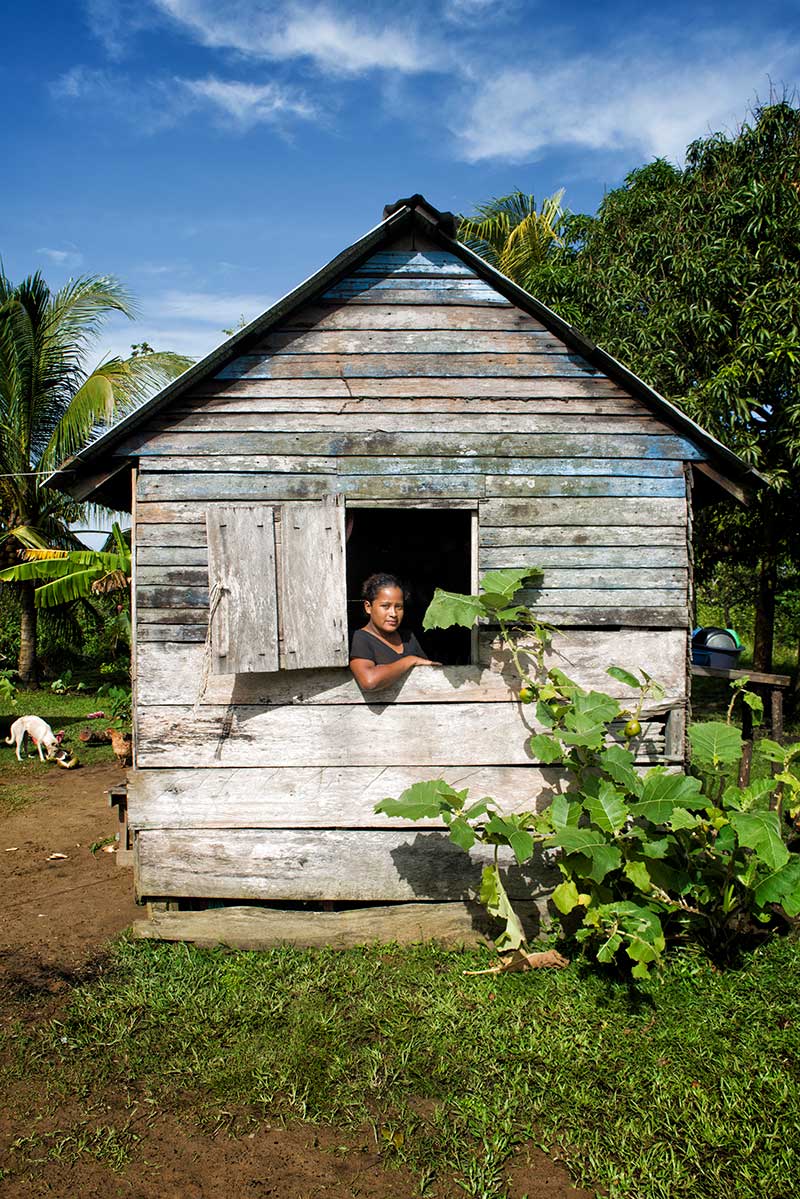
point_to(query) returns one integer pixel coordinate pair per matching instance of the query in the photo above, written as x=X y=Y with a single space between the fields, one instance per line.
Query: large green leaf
x=449 y=607
x=506 y=583
x=659 y=848
x=494 y=898
x=70 y=587
x=745 y=798
x=607 y=809
x=624 y=676
x=663 y=792
x=715 y=744
x=423 y=801
x=761 y=831
x=771 y=750
x=681 y=818
x=618 y=762
x=564 y=811
x=566 y=896
x=545 y=749
x=590 y=709
x=509 y=831
x=461 y=833
x=590 y=737
x=782 y=886
x=639 y=875
x=593 y=845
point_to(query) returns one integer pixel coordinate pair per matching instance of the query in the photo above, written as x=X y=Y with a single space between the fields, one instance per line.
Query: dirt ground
x=59 y=914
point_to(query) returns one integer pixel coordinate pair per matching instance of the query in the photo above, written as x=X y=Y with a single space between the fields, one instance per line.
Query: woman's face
x=386 y=610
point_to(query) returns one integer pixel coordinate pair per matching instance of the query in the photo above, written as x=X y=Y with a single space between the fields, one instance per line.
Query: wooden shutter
x=313 y=590
x=242 y=589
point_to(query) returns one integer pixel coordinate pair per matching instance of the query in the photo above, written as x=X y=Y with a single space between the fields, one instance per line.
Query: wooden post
x=747 y=748
x=776 y=718
x=776 y=712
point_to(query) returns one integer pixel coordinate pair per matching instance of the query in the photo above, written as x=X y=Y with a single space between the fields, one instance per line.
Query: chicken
x=122 y=745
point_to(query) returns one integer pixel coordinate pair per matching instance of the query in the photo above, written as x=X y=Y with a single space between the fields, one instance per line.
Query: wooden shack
x=406 y=408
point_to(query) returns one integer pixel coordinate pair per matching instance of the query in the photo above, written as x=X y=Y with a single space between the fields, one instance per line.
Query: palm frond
x=113 y=389
x=27 y=536
x=78 y=557
x=66 y=588
x=51 y=568
x=513 y=235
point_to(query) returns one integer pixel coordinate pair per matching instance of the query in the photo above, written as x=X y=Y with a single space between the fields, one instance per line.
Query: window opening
x=425 y=547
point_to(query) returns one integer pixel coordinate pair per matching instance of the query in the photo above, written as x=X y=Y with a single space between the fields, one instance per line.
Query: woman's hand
x=371 y=677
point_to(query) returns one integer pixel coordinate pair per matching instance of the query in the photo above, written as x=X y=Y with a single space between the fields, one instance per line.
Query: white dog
x=39 y=732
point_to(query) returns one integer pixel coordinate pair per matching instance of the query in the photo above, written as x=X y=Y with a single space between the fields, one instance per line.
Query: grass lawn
x=20 y=781
x=688 y=1087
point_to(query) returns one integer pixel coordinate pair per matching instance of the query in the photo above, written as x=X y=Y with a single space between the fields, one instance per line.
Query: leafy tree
x=51 y=403
x=691 y=276
x=513 y=236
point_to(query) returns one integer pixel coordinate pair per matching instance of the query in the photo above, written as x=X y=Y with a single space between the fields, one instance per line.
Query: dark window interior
x=426 y=549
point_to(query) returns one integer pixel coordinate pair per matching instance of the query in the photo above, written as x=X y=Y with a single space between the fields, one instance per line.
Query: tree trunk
x=28 y=674
x=765 y=609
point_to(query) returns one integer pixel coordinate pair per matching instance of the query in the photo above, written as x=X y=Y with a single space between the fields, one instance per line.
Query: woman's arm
x=371 y=677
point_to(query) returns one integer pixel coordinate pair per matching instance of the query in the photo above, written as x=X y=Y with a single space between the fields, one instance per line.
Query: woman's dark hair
x=375 y=583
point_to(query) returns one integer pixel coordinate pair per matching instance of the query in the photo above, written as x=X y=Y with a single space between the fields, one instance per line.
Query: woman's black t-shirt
x=367 y=645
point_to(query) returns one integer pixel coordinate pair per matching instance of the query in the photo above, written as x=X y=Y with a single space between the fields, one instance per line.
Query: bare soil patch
x=58 y=912
x=58 y=915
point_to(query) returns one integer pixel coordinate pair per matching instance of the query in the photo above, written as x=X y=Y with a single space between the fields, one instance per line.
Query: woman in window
x=380 y=653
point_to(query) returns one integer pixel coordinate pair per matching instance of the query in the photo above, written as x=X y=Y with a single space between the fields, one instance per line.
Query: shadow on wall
x=436 y=869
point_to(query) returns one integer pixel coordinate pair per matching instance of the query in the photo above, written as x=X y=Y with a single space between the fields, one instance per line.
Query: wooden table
x=773 y=685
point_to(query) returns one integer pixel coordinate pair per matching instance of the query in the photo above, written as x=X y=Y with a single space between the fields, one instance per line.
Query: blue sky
x=213 y=153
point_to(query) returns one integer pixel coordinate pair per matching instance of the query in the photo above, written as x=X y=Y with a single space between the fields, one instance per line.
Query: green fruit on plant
x=632 y=728
x=526 y=695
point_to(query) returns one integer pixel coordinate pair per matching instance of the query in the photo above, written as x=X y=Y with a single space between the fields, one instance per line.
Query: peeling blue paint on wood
x=467 y=289
x=415 y=262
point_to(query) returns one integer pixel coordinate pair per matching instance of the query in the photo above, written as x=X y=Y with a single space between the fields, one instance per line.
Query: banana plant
x=74 y=574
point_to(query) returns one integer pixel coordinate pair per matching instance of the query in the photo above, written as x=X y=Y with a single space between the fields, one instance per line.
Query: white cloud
x=468 y=11
x=248 y=104
x=342 y=43
x=195 y=341
x=157 y=104
x=159 y=268
x=206 y=307
x=115 y=22
x=635 y=100
x=185 y=322
x=80 y=81
x=69 y=257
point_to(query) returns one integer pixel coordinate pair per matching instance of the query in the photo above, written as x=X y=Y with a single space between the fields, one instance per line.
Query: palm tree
x=513 y=236
x=51 y=404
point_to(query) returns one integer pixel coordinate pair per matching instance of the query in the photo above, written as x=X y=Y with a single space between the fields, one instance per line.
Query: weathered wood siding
x=412 y=381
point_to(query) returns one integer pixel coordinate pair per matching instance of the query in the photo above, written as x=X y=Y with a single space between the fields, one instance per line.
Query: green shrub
x=644 y=857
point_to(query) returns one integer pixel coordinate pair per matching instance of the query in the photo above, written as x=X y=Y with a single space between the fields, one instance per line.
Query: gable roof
x=91 y=473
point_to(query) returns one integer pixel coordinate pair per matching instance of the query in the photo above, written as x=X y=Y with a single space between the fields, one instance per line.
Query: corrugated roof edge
x=74 y=466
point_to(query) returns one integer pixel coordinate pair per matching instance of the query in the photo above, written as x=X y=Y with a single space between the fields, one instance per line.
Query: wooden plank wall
x=410 y=381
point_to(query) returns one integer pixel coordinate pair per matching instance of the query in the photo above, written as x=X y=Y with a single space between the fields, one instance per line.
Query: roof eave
x=64 y=478
x=747 y=476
